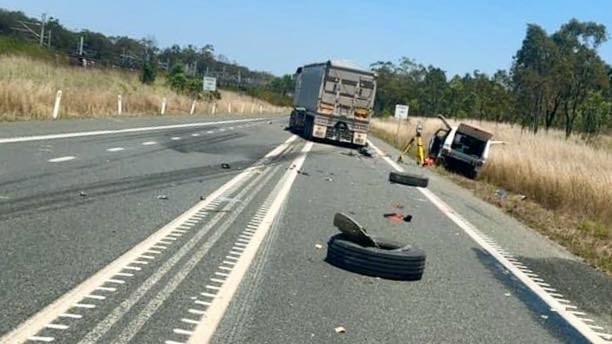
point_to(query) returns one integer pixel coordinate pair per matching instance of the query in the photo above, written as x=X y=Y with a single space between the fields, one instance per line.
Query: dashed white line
x=41 y=339
x=144 y=256
x=184 y=332
x=223 y=274
x=124 y=274
x=212 y=287
x=115 y=149
x=135 y=268
x=70 y=315
x=96 y=297
x=175 y=138
x=149 y=143
x=210 y=131
x=225 y=268
x=208 y=295
x=62 y=159
x=117 y=281
x=195 y=135
x=203 y=303
x=57 y=326
x=216 y=280
x=196 y=311
x=84 y=305
x=190 y=321
x=106 y=288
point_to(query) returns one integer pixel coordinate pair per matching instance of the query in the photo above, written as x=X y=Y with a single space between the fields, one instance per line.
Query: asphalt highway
x=190 y=230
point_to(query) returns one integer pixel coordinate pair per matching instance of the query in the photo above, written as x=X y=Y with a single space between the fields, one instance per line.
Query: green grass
x=18 y=47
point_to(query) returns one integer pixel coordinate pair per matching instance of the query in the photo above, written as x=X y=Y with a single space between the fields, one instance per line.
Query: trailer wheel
x=408 y=179
x=391 y=260
x=307 y=133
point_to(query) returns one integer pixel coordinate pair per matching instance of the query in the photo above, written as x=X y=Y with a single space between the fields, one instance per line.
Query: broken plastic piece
x=318 y=246
x=225 y=166
x=340 y=329
x=164 y=197
x=83 y=194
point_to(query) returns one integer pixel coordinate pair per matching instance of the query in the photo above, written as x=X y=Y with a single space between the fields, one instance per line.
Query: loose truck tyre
x=390 y=260
x=408 y=179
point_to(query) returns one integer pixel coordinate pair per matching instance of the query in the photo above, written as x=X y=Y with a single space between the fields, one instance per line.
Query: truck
x=333 y=100
x=462 y=148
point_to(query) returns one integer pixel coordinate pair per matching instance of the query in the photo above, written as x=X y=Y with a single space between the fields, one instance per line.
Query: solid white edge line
x=204 y=331
x=476 y=235
x=118 y=131
x=32 y=325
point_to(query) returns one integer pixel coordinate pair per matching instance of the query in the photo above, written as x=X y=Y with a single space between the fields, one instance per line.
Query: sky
x=278 y=36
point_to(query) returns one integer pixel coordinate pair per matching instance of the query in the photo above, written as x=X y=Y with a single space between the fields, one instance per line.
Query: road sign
x=401 y=111
x=209 y=84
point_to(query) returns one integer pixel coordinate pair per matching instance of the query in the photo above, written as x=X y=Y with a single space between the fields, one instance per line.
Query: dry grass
x=28 y=88
x=568 y=178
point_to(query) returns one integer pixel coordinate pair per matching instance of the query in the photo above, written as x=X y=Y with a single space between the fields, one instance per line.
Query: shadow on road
x=541 y=312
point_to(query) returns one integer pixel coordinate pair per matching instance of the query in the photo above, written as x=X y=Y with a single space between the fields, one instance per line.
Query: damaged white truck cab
x=463 y=148
x=333 y=101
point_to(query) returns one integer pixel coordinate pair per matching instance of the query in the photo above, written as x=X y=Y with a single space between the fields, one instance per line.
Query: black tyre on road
x=390 y=260
x=408 y=179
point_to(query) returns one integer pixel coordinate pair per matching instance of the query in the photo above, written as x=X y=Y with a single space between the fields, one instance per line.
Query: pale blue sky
x=277 y=36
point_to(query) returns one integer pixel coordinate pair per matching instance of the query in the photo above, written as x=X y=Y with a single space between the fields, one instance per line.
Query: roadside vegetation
x=28 y=88
x=562 y=188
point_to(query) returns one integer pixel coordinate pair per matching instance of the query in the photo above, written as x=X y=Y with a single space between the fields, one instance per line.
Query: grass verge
x=28 y=88
x=561 y=188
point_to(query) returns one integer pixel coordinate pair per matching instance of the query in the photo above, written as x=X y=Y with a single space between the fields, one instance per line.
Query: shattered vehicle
x=463 y=148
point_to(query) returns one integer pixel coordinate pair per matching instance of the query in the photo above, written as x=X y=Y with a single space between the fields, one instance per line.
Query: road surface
x=175 y=230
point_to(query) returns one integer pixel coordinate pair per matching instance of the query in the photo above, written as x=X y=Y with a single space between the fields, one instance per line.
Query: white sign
x=209 y=83
x=401 y=111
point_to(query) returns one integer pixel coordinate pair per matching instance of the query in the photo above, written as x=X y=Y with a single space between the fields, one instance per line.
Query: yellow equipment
x=420 y=154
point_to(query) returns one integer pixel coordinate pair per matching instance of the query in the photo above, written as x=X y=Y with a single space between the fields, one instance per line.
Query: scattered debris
x=269 y=122
x=543 y=316
x=318 y=246
x=83 y=194
x=329 y=179
x=507 y=294
x=522 y=197
x=225 y=166
x=163 y=197
x=365 y=151
x=303 y=173
x=340 y=329
x=398 y=217
x=202 y=198
x=501 y=193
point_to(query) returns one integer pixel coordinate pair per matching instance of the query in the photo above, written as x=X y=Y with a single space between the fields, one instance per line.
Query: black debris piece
x=225 y=166
x=83 y=194
x=162 y=197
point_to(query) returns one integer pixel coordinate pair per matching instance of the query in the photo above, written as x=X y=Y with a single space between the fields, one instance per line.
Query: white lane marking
x=124 y=274
x=144 y=256
x=140 y=262
x=117 y=131
x=183 y=332
x=129 y=267
x=158 y=247
x=217 y=280
x=204 y=331
x=84 y=305
x=41 y=339
x=203 y=303
x=96 y=297
x=195 y=135
x=252 y=188
x=190 y=321
x=57 y=326
x=62 y=159
x=478 y=237
x=196 y=311
x=229 y=263
x=70 y=315
x=210 y=131
x=208 y=295
x=175 y=138
x=225 y=268
x=106 y=288
x=117 y=281
x=222 y=274
x=173 y=342
x=153 y=251
x=115 y=149
x=149 y=143
x=222 y=129
x=212 y=287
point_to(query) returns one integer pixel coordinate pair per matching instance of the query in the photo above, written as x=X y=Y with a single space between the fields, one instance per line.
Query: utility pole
x=43 y=21
x=49 y=39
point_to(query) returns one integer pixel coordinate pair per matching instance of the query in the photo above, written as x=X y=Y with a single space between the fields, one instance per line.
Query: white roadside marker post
x=119 y=105
x=163 y=106
x=56 y=107
x=242 y=108
x=214 y=108
x=252 y=108
x=229 y=107
x=260 y=109
x=193 y=105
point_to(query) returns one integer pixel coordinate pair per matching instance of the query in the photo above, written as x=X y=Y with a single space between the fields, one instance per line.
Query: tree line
x=556 y=80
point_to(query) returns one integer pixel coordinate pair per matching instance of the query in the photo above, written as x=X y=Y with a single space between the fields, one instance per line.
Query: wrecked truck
x=463 y=148
x=333 y=101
